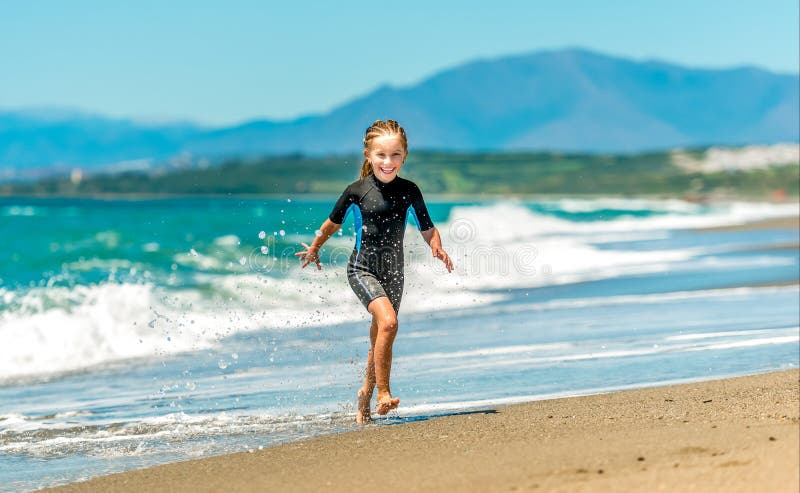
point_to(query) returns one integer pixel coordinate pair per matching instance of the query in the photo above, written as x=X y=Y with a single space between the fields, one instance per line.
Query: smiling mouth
x=387 y=171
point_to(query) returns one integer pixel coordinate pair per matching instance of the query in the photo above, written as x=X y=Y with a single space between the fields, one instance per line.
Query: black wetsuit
x=375 y=267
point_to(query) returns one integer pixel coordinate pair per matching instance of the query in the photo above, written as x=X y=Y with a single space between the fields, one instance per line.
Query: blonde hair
x=381 y=128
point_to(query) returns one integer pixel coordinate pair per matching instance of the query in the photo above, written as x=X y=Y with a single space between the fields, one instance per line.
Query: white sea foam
x=489 y=361
x=505 y=244
x=748 y=343
x=509 y=220
x=709 y=335
x=494 y=246
x=492 y=351
x=21 y=210
x=147 y=435
x=598 y=301
x=577 y=205
x=119 y=321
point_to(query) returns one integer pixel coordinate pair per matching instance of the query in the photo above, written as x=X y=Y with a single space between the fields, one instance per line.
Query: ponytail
x=366 y=169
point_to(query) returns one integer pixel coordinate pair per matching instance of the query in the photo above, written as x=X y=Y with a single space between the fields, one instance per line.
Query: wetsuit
x=375 y=267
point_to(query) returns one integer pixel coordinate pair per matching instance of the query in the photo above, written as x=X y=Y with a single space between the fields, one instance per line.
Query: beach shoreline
x=784 y=222
x=731 y=434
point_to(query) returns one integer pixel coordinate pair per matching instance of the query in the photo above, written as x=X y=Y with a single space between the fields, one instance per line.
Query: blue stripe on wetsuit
x=358 y=222
x=410 y=212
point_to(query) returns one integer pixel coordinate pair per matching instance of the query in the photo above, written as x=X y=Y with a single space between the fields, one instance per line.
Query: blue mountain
x=564 y=100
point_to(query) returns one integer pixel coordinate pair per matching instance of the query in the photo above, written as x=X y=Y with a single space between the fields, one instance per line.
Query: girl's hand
x=309 y=255
x=439 y=253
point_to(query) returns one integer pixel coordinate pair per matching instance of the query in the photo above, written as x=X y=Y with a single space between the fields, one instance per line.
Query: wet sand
x=788 y=222
x=737 y=434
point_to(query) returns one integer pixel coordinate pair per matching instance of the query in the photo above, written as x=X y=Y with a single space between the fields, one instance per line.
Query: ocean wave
x=514 y=220
x=60 y=330
x=503 y=245
x=575 y=205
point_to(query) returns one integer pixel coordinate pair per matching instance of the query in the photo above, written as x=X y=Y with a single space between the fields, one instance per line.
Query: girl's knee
x=388 y=323
x=383 y=315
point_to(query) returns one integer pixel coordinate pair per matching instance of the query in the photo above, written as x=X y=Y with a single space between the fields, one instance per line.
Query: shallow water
x=147 y=332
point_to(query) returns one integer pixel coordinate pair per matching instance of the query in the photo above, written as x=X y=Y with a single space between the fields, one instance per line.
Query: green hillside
x=441 y=173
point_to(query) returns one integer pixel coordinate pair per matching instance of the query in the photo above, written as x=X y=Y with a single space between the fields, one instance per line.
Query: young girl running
x=381 y=202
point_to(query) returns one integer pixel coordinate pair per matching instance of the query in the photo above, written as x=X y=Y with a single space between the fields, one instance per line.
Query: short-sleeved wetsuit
x=380 y=210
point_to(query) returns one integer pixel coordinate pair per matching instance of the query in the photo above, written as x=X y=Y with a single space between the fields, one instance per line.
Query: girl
x=381 y=203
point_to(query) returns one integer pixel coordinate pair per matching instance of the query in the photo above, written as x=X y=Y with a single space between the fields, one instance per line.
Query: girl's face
x=386 y=156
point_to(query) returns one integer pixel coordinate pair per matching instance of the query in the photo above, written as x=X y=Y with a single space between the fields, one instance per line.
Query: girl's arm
x=435 y=241
x=311 y=253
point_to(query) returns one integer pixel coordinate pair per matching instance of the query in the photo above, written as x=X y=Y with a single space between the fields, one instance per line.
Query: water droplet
x=262 y=234
x=222 y=364
x=193 y=252
x=235 y=355
x=264 y=250
x=282 y=232
x=243 y=260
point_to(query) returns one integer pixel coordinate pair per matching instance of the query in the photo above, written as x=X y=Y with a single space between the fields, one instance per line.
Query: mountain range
x=570 y=100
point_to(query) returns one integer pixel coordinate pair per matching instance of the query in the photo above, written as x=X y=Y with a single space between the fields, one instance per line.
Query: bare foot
x=386 y=403
x=363 y=414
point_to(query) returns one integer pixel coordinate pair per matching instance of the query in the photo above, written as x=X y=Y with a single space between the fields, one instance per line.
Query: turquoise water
x=150 y=331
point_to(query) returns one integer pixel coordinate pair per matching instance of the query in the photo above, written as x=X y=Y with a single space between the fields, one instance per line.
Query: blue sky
x=224 y=62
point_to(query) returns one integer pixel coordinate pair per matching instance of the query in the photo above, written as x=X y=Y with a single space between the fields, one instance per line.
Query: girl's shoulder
x=407 y=184
x=356 y=184
x=356 y=188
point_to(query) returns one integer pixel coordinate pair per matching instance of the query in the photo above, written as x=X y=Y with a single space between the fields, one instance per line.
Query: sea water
x=140 y=332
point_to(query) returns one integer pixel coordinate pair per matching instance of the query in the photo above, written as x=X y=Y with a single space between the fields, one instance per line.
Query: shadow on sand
x=397 y=420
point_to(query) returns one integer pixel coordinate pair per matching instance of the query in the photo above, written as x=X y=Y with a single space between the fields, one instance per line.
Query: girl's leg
x=365 y=393
x=383 y=313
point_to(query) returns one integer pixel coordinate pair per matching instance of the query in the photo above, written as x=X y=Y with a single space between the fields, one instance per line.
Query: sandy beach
x=787 y=222
x=736 y=434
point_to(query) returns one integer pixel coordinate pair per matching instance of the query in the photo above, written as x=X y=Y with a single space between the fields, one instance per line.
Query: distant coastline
x=448 y=175
x=434 y=197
